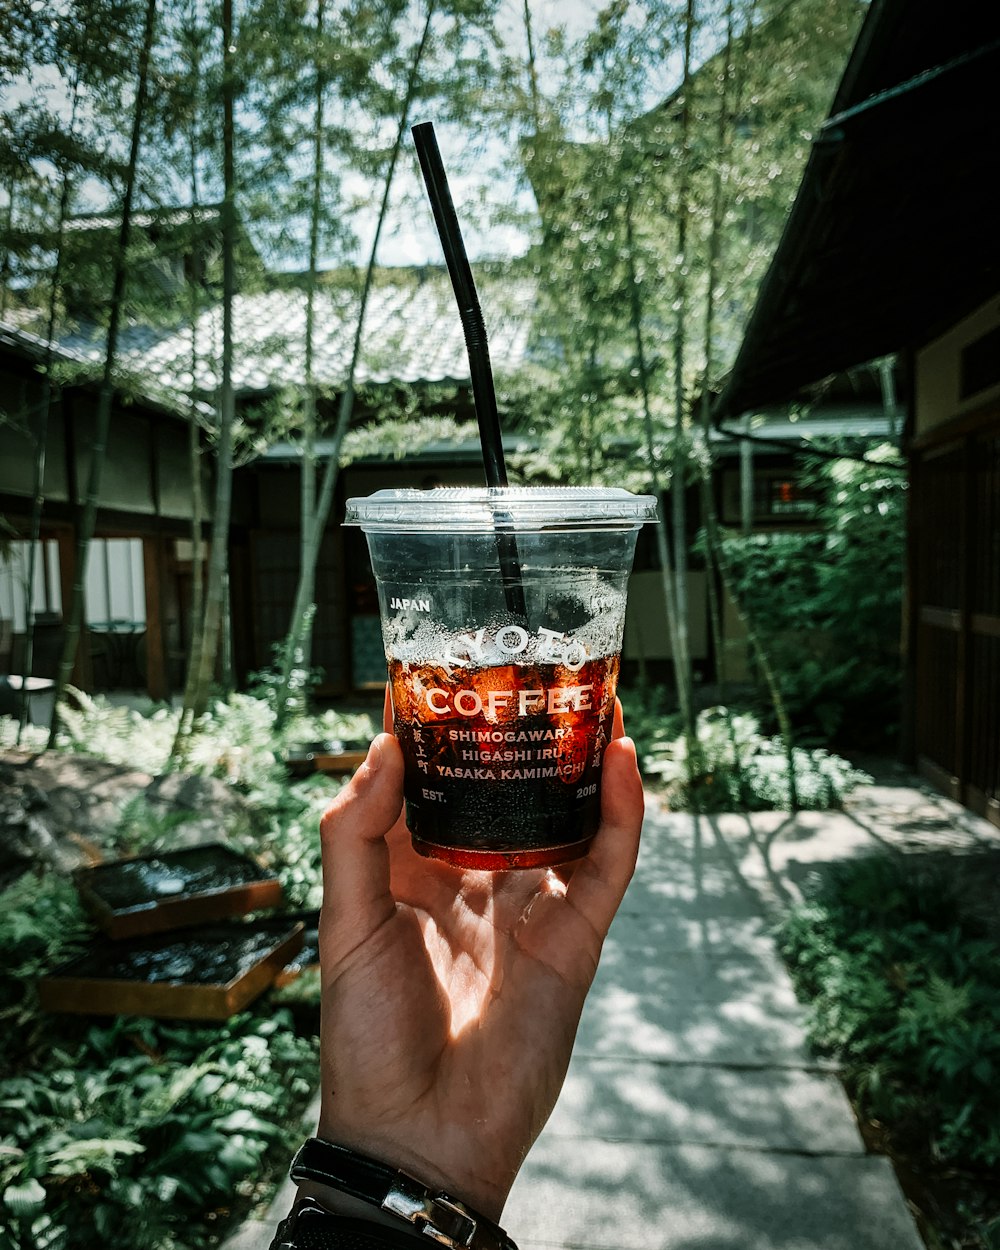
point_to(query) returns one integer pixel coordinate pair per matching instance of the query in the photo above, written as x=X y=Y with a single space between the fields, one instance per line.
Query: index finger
x=597 y=882
x=618 y=721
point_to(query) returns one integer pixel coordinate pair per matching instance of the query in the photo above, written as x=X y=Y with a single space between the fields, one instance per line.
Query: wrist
x=310 y=1226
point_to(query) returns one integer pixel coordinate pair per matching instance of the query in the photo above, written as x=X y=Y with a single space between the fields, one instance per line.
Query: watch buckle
x=437 y=1217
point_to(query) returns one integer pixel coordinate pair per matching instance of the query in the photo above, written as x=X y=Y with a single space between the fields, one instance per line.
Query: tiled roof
x=412 y=334
x=87 y=363
x=867 y=424
x=142 y=220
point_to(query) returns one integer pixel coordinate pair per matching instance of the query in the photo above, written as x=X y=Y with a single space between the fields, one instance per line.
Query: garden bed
x=131 y=1131
x=899 y=960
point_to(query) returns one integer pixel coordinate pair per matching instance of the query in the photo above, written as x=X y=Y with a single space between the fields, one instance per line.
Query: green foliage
x=650 y=717
x=144 y=826
x=41 y=923
x=345 y=730
x=905 y=992
x=289 y=697
x=304 y=993
x=602 y=405
x=34 y=737
x=92 y=725
x=401 y=433
x=235 y=740
x=135 y=1132
x=644 y=184
x=739 y=768
x=142 y=1134
x=827 y=602
x=291 y=846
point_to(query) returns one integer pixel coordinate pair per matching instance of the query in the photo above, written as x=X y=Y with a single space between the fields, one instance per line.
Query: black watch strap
x=309 y=1226
x=431 y=1212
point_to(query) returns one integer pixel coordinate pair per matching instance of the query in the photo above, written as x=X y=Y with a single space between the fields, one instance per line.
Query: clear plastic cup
x=503 y=688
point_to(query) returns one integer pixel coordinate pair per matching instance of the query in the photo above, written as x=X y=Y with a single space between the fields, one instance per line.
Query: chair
x=9 y=698
x=11 y=684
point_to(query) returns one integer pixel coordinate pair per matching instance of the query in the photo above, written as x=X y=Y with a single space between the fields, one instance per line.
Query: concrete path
x=693 y=1116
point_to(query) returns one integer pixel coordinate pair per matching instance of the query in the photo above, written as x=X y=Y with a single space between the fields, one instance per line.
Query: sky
x=409 y=237
x=496 y=214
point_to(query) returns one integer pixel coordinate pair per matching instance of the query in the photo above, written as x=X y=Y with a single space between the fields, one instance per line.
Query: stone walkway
x=693 y=1116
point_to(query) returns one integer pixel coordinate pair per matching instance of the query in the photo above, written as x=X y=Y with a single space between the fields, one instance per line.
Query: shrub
x=827 y=603
x=133 y=1132
x=143 y=1131
x=291 y=844
x=739 y=769
x=236 y=740
x=905 y=991
x=41 y=923
x=136 y=1132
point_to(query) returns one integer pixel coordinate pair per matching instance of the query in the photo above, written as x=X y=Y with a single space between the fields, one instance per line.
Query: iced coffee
x=502 y=702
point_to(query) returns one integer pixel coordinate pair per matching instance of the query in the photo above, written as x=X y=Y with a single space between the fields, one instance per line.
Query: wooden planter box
x=155 y=893
x=207 y=973
x=318 y=757
x=341 y=762
x=308 y=956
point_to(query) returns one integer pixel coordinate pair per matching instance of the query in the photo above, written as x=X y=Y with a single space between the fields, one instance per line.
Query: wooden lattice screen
x=956 y=597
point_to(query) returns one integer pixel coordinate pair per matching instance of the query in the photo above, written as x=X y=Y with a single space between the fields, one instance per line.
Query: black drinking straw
x=477 y=346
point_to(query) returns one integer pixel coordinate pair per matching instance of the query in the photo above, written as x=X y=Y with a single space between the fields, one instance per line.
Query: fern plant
x=740 y=769
x=140 y=1129
x=905 y=990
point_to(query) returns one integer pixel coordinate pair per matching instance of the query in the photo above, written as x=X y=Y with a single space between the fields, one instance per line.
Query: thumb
x=356 y=894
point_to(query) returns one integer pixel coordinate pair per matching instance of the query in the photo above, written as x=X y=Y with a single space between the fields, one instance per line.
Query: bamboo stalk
x=305 y=589
x=215 y=589
x=715 y=553
x=42 y=430
x=663 y=547
x=308 y=461
x=184 y=723
x=678 y=494
x=98 y=451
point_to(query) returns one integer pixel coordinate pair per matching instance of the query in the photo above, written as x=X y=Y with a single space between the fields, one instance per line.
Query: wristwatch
x=421 y=1209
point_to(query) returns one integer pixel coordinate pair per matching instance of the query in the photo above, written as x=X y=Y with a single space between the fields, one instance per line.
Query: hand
x=451 y=997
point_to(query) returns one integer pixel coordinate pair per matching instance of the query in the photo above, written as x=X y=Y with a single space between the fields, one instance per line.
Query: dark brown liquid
x=503 y=763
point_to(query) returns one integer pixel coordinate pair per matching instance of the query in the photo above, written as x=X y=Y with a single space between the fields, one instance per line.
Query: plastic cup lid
x=471 y=509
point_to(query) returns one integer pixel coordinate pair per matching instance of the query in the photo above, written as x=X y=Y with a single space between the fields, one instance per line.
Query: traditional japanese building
x=892 y=246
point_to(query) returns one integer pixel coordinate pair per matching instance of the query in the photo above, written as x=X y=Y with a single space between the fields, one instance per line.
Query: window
x=778 y=498
x=47 y=596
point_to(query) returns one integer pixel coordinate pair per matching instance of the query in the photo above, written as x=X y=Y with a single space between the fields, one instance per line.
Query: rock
x=60 y=808
x=27 y=837
x=217 y=806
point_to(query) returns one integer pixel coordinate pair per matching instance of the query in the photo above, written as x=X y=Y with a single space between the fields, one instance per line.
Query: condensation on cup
x=502 y=715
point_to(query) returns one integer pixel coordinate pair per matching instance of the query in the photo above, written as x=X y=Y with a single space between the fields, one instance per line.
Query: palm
x=451 y=998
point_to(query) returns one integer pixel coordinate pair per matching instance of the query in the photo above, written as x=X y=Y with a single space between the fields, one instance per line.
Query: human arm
x=450 y=997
